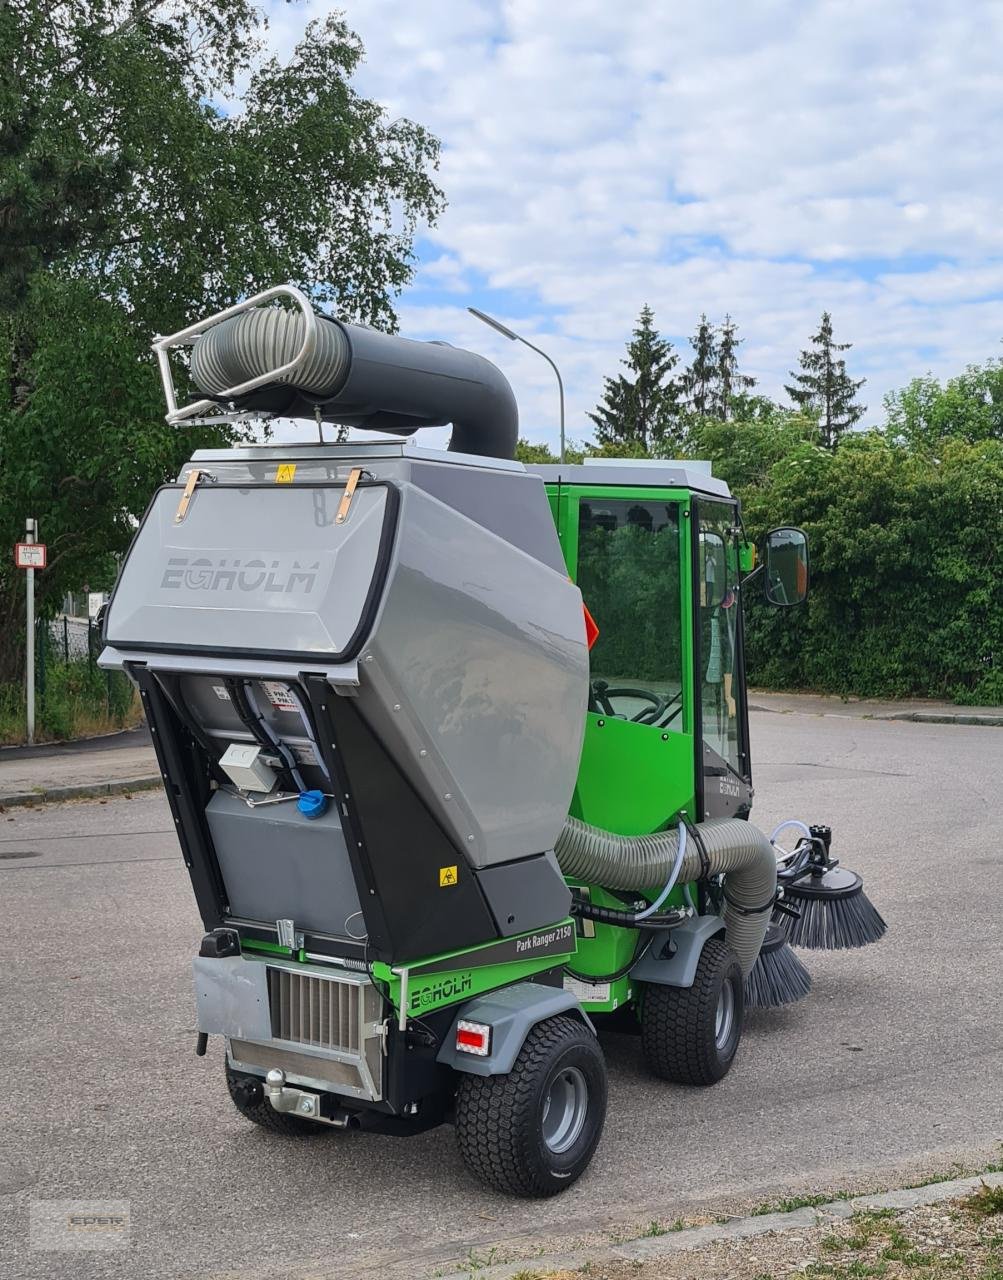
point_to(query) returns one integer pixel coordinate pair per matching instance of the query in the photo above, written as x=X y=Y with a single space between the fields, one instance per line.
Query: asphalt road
x=892 y=1068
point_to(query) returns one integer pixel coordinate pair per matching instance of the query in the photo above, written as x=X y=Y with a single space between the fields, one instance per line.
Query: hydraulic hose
x=736 y=849
x=673 y=877
x=308 y=730
x=286 y=756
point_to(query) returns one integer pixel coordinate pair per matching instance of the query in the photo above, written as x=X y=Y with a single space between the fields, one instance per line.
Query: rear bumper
x=321 y=1028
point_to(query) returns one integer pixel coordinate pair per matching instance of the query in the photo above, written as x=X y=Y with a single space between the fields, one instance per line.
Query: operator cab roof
x=634 y=473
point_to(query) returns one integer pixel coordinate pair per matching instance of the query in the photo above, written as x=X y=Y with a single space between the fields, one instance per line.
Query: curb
x=652 y=1248
x=941 y=717
x=917 y=717
x=84 y=791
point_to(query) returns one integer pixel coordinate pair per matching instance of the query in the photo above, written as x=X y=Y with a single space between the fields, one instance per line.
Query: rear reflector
x=473 y=1037
x=591 y=630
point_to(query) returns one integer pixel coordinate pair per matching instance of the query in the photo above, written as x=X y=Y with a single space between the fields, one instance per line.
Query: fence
x=74 y=696
x=69 y=636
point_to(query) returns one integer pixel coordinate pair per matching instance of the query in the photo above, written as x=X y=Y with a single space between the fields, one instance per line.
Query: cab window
x=629 y=575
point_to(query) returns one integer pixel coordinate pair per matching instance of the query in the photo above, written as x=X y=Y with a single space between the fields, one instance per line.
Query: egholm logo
x=445 y=989
x=203 y=574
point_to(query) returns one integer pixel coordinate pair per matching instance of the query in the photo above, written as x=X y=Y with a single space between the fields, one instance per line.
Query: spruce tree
x=700 y=379
x=730 y=383
x=643 y=410
x=824 y=387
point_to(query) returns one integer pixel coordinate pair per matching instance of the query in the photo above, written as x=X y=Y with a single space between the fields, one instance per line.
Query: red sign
x=30 y=555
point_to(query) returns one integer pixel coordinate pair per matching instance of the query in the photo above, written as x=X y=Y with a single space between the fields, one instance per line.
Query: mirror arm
x=754 y=573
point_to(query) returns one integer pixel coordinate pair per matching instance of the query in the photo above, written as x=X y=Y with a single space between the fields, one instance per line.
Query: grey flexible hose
x=737 y=849
x=250 y=344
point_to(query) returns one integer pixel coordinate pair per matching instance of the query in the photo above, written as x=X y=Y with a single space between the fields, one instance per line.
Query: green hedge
x=907 y=578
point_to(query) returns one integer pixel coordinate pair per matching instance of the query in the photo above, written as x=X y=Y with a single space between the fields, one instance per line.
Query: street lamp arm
x=540 y=352
x=517 y=337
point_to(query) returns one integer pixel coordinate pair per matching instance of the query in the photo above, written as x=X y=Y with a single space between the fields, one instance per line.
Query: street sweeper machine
x=457 y=751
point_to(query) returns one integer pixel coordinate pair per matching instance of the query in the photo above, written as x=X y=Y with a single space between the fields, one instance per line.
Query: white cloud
x=768 y=159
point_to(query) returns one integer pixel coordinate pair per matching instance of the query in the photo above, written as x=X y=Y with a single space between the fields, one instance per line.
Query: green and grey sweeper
x=457 y=751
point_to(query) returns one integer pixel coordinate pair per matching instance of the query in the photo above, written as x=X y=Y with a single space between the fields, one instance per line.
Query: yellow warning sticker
x=286 y=473
x=447 y=876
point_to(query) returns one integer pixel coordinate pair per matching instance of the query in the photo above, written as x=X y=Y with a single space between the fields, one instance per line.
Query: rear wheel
x=690 y=1035
x=533 y=1132
x=248 y=1095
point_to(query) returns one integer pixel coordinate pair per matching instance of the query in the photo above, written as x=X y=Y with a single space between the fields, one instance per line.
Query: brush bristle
x=778 y=978
x=837 y=923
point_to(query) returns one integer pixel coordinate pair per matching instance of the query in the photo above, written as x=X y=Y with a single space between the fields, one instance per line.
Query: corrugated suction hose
x=250 y=344
x=737 y=849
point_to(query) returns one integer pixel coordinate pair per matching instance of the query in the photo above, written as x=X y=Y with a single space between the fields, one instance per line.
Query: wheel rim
x=564 y=1110
x=724 y=1019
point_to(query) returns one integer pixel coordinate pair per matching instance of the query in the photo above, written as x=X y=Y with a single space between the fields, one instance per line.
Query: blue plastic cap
x=312 y=804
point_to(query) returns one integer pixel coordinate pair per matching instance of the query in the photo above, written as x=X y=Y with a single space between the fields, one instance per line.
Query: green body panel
x=438 y=981
x=603 y=949
x=633 y=778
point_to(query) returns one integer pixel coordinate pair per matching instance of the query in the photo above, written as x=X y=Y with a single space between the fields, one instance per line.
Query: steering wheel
x=602 y=693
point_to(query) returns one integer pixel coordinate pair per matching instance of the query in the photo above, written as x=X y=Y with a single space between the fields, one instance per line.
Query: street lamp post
x=517 y=337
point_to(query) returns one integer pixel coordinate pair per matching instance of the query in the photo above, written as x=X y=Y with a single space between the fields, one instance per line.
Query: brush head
x=778 y=976
x=835 y=913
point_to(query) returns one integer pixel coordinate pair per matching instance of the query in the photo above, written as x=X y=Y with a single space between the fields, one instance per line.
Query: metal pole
x=560 y=383
x=30 y=527
x=517 y=337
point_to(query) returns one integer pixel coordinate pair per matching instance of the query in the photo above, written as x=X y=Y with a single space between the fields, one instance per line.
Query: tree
x=969 y=407
x=642 y=412
x=823 y=386
x=534 y=452
x=730 y=382
x=131 y=203
x=700 y=381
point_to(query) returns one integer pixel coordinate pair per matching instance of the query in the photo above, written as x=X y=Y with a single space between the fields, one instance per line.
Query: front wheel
x=533 y=1132
x=690 y=1035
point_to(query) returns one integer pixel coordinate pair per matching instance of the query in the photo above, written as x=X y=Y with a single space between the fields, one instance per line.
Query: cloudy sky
x=767 y=158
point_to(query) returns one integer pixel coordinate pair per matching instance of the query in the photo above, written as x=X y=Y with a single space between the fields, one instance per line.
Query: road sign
x=30 y=555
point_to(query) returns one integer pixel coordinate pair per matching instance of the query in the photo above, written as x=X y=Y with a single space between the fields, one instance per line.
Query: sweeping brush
x=834 y=913
x=778 y=976
x=826 y=907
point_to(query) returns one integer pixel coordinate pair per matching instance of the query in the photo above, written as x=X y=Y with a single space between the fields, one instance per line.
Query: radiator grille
x=316 y=1011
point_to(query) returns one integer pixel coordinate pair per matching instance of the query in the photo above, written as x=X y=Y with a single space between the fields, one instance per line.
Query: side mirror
x=713 y=569
x=786 y=566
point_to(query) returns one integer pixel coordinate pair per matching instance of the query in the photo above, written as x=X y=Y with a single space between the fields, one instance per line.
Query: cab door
x=724 y=776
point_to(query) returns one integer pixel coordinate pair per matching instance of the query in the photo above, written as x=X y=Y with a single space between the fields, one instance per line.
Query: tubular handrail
x=184 y=337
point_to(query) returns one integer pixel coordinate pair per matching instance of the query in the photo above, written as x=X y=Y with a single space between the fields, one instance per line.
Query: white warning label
x=279 y=696
x=587 y=992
